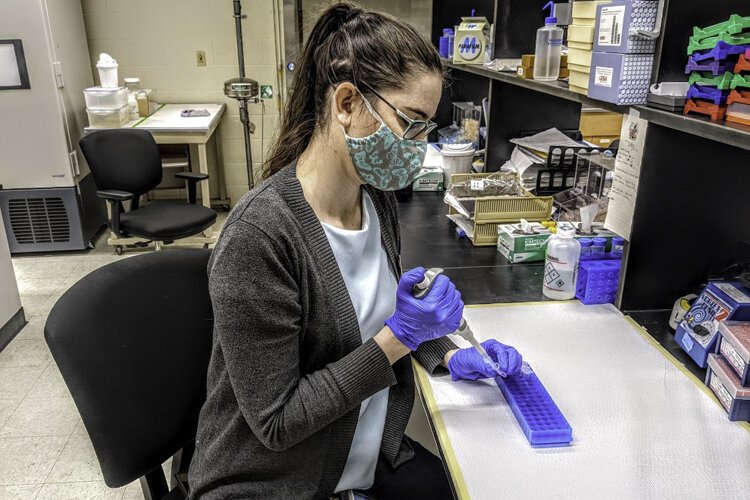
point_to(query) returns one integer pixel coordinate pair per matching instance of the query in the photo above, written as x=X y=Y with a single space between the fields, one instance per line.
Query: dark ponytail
x=347 y=44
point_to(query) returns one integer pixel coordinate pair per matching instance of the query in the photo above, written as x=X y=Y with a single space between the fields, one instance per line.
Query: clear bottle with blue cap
x=548 y=48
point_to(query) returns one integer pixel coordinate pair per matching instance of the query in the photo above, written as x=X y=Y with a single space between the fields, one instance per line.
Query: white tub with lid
x=106 y=98
x=457 y=159
x=108 y=118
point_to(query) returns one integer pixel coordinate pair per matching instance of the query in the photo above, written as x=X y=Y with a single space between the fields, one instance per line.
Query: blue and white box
x=621 y=79
x=618 y=23
x=698 y=331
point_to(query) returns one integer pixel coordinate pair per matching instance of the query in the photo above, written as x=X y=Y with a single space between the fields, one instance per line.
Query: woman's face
x=418 y=100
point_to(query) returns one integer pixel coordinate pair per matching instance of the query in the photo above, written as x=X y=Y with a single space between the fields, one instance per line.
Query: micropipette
x=423 y=287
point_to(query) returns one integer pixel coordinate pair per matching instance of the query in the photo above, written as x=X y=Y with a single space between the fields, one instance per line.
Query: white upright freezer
x=47 y=195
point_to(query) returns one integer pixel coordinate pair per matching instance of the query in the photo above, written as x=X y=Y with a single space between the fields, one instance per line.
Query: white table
x=643 y=426
x=168 y=127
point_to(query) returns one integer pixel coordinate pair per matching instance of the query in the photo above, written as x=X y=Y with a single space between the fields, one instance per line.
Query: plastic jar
x=585 y=248
x=618 y=245
x=598 y=248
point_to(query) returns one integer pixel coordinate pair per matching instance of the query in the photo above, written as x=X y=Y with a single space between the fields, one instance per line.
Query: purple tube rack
x=716 y=96
x=597 y=281
x=714 y=67
x=720 y=52
x=536 y=412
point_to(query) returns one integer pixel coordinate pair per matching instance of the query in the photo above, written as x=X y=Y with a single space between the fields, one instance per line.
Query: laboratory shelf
x=732 y=134
x=558 y=88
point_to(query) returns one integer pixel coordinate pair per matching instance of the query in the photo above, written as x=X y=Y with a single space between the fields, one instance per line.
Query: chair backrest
x=133 y=341
x=123 y=159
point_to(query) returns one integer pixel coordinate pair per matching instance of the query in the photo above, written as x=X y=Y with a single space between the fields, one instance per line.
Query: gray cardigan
x=289 y=370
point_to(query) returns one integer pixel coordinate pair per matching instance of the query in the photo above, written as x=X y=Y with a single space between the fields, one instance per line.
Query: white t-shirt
x=371 y=284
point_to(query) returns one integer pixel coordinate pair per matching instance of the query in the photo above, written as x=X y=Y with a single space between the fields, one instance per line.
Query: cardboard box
x=429 y=179
x=601 y=140
x=580 y=80
x=581 y=46
x=579 y=90
x=518 y=247
x=525 y=72
x=578 y=56
x=470 y=42
x=621 y=79
x=597 y=123
x=586 y=9
x=527 y=60
x=582 y=21
x=617 y=21
x=564 y=73
x=579 y=68
x=578 y=33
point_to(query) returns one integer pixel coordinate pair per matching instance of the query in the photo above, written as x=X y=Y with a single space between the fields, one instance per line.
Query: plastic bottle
x=598 y=248
x=585 y=248
x=548 y=47
x=561 y=266
x=618 y=245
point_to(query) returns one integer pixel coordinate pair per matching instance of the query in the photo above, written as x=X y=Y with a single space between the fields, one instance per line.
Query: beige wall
x=416 y=12
x=157 y=41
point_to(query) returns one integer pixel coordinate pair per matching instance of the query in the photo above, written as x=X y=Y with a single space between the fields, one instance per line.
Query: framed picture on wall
x=13 y=73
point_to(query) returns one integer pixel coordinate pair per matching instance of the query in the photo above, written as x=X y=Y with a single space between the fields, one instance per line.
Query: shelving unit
x=692 y=203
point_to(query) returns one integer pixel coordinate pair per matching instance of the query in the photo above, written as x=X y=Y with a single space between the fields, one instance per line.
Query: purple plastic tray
x=714 y=67
x=712 y=94
x=720 y=52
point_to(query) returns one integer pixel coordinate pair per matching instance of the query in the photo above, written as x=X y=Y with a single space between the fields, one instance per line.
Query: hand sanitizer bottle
x=548 y=47
x=561 y=265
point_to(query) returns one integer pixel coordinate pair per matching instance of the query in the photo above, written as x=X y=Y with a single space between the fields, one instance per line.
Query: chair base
x=121 y=242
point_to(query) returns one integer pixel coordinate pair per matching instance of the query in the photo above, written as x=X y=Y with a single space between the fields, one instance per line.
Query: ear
x=346 y=100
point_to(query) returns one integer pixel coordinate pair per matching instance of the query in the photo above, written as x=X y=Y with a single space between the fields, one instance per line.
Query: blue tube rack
x=536 y=412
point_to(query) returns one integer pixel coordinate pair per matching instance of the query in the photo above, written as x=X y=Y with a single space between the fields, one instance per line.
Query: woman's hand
x=435 y=315
x=468 y=364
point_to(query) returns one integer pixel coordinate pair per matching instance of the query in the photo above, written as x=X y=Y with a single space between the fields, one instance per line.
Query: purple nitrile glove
x=435 y=315
x=468 y=364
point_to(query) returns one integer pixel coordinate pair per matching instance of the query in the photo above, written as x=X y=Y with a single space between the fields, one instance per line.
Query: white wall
x=415 y=12
x=10 y=301
x=157 y=41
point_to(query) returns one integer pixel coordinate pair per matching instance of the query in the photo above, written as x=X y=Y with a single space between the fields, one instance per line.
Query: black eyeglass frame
x=414 y=128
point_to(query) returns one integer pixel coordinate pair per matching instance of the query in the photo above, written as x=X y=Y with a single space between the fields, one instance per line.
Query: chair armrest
x=191 y=176
x=115 y=199
x=113 y=195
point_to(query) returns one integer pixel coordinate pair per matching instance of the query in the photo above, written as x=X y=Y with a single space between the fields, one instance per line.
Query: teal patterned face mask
x=383 y=159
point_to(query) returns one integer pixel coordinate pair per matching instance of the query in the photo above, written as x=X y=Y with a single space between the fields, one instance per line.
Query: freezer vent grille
x=39 y=220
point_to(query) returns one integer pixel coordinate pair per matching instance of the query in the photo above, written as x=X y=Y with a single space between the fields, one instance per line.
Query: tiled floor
x=45 y=452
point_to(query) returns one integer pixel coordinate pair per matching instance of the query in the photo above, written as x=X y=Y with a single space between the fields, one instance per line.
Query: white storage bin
x=104 y=98
x=108 y=118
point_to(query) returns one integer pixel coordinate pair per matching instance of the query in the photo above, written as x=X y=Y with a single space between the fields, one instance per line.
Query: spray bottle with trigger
x=423 y=287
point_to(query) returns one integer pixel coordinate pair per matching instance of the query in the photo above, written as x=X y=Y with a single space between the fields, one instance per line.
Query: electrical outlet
x=266 y=91
x=200 y=57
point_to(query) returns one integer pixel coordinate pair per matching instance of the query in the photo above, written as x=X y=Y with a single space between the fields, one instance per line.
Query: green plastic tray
x=740 y=81
x=721 y=82
x=735 y=25
x=710 y=42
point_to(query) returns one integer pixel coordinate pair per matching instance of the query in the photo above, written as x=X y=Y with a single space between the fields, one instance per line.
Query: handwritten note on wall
x=627 y=174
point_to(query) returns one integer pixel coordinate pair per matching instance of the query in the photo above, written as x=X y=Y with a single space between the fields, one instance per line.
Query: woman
x=310 y=384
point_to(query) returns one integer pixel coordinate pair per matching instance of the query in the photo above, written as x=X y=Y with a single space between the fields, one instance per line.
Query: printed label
x=520 y=71
x=687 y=342
x=732 y=356
x=477 y=184
x=721 y=392
x=611 y=20
x=603 y=76
x=735 y=293
x=469 y=47
x=707 y=311
x=558 y=274
x=555 y=42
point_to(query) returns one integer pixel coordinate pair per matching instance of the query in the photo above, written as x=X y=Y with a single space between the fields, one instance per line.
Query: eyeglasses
x=414 y=128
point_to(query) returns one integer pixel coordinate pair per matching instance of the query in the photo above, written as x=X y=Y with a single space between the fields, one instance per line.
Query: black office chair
x=125 y=164
x=133 y=341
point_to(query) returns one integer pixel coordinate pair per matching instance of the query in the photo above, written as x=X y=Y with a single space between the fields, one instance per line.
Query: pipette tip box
x=536 y=412
x=734 y=346
x=722 y=380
